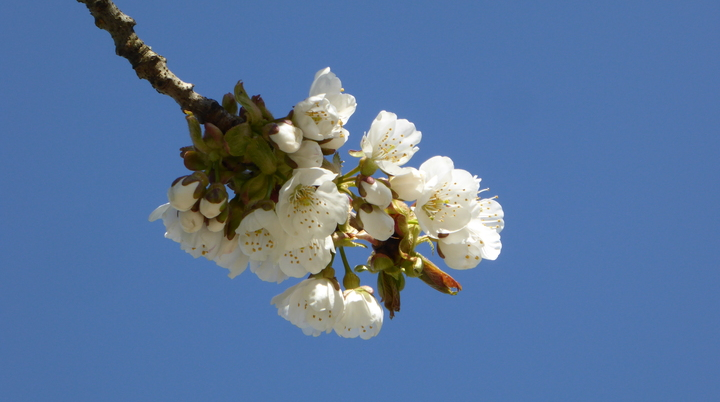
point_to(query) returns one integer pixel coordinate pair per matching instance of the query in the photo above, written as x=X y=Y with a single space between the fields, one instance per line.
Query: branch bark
x=152 y=67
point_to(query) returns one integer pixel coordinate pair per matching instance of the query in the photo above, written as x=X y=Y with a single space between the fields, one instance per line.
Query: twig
x=151 y=66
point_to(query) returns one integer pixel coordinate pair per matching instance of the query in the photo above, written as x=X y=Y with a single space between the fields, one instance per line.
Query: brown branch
x=152 y=67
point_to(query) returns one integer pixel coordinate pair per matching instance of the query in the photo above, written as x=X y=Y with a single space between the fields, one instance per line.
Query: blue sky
x=596 y=123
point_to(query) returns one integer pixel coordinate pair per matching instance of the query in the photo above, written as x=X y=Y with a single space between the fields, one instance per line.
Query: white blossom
x=288 y=138
x=308 y=155
x=203 y=242
x=231 y=257
x=310 y=205
x=447 y=199
x=323 y=114
x=314 y=305
x=478 y=240
x=363 y=315
x=391 y=142
x=302 y=256
x=377 y=223
x=327 y=83
x=260 y=235
x=317 y=118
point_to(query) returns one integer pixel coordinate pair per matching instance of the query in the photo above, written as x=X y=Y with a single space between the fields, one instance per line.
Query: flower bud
x=191 y=221
x=185 y=191
x=377 y=193
x=215 y=225
x=288 y=137
x=409 y=184
x=214 y=201
x=308 y=155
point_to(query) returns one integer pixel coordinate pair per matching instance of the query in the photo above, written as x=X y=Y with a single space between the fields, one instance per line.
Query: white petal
x=377 y=193
x=377 y=223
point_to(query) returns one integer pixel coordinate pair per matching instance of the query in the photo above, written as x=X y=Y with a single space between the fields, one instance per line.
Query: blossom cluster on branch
x=263 y=195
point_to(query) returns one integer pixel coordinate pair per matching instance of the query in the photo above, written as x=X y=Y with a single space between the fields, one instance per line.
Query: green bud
x=368 y=167
x=238 y=138
x=213 y=137
x=260 y=153
x=229 y=104
x=196 y=134
x=194 y=160
x=380 y=262
x=242 y=97
x=257 y=188
x=260 y=103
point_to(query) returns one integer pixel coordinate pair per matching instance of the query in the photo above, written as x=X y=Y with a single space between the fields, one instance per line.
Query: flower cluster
x=263 y=195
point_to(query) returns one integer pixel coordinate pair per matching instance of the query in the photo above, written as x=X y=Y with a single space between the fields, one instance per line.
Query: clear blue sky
x=597 y=124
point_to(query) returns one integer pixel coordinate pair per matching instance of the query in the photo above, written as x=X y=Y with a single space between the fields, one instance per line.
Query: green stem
x=349 y=174
x=345 y=261
x=350 y=280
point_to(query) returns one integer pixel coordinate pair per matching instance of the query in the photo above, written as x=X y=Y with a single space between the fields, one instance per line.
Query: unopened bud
x=186 y=190
x=286 y=136
x=214 y=201
x=191 y=221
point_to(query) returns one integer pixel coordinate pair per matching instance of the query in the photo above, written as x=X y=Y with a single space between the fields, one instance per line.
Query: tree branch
x=151 y=66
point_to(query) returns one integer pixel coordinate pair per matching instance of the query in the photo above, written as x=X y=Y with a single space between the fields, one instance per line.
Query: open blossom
x=479 y=240
x=314 y=305
x=302 y=256
x=447 y=199
x=310 y=205
x=363 y=314
x=391 y=142
x=328 y=84
x=323 y=114
x=212 y=245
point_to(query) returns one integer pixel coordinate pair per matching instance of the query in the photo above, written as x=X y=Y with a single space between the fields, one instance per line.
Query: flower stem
x=349 y=174
x=350 y=280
